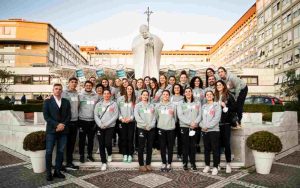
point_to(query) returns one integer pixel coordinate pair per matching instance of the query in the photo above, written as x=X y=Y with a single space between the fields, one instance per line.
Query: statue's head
x=144 y=31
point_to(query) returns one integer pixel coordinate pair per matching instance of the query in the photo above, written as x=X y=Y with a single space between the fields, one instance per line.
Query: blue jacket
x=54 y=115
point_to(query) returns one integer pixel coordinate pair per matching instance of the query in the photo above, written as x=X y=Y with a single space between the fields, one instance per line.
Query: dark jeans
x=240 y=103
x=179 y=142
x=188 y=146
x=51 y=139
x=166 y=138
x=127 y=134
x=136 y=137
x=105 y=142
x=156 y=139
x=86 y=129
x=73 y=129
x=211 y=143
x=225 y=132
x=144 y=136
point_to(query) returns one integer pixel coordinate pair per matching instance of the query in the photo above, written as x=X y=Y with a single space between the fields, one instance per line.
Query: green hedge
x=6 y=107
x=263 y=108
x=34 y=101
x=28 y=107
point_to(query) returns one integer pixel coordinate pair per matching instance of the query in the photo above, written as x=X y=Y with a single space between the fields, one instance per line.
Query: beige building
x=237 y=47
x=33 y=51
x=278 y=31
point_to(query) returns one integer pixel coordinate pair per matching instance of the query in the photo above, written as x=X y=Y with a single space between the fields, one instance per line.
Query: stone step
x=155 y=157
x=155 y=165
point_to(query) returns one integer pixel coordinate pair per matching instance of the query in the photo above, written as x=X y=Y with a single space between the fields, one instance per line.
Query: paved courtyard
x=16 y=171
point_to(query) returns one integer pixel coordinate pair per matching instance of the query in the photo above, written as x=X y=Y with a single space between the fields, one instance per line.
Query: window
x=296 y=11
x=277 y=25
x=23 y=80
x=268 y=15
x=36 y=80
x=250 y=80
x=286 y=18
x=268 y=31
x=7 y=81
x=297 y=32
x=261 y=21
x=276 y=7
x=9 y=59
x=286 y=3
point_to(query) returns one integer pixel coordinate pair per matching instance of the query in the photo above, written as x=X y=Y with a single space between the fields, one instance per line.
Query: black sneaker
x=81 y=159
x=185 y=167
x=58 y=174
x=91 y=159
x=71 y=166
x=63 y=168
x=163 y=168
x=194 y=168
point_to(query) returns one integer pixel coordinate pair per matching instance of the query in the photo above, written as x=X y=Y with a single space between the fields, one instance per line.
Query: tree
x=291 y=86
x=5 y=75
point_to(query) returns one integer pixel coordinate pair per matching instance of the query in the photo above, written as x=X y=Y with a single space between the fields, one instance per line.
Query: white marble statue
x=146 y=49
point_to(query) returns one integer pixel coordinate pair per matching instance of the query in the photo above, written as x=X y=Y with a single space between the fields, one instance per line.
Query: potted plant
x=264 y=145
x=35 y=143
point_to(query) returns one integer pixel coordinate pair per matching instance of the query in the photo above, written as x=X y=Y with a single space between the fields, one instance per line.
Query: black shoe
x=81 y=159
x=194 y=168
x=91 y=159
x=185 y=167
x=58 y=174
x=49 y=178
x=63 y=168
x=71 y=166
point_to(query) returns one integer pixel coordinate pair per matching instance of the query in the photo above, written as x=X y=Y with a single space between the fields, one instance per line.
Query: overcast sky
x=112 y=24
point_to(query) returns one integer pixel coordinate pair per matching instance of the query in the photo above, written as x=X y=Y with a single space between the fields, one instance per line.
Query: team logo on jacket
x=212 y=112
x=181 y=131
x=159 y=132
x=98 y=133
x=111 y=109
x=80 y=129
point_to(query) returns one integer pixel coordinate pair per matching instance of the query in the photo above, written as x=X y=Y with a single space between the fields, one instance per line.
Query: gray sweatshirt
x=72 y=97
x=106 y=119
x=211 y=115
x=166 y=116
x=176 y=99
x=198 y=94
x=157 y=97
x=189 y=112
x=87 y=105
x=126 y=110
x=144 y=115
x=234 y=84
x=138 y=94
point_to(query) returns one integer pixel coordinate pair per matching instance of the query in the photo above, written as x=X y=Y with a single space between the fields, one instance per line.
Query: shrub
x=267 y=116
x=35 y=141
x=264 y=141
x=6 y=107
x=34 y=101
x=28 y=107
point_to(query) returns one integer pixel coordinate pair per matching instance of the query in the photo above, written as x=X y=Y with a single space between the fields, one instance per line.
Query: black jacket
x=55 y=115
x=226 y=117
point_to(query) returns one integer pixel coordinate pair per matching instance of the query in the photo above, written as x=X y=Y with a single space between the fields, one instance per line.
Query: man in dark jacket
x=57 y=114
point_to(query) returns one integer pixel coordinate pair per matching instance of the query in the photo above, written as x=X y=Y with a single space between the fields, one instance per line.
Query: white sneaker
x=103 y=167
x=125 y=158
x=206 y=169
x=109 y=158
x=214 y=171
x=228 y=168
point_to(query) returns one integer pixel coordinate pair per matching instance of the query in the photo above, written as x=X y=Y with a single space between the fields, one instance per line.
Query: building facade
x=278 y=31
x=32 y=50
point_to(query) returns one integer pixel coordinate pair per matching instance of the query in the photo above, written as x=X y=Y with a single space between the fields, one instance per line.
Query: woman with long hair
x=227 y=102
x=126 y=105
x=166 y=117
x=140 y=86
x=211 y=115
x=163 y=82
x=189 y=114
x=177 y=98
x=156 y=92
x=105 y=114
x=144 y=113
x=147 y=83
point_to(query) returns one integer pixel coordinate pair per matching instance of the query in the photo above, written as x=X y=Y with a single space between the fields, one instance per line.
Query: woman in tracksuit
x=177 y=98
x=227 y=102
x=106 y=114
x=126 y=105
x=211 y=115
x=166 y=117
x=144 y=114
x=189 y=114
x=198 y=94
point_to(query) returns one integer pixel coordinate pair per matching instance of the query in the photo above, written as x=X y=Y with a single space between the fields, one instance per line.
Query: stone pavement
x=16 y=171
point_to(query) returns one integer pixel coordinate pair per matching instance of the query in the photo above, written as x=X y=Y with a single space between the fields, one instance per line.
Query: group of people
x=147 y=114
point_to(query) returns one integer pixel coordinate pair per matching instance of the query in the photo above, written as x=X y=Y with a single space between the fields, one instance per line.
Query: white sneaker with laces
x=103 y=167
x=125 y=158
x=214 y=171
x=206 y=169
x=228 y=168
x=109 y=158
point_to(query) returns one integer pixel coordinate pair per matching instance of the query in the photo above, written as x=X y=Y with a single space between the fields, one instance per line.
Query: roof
x=167 y=52
x=235 y=27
